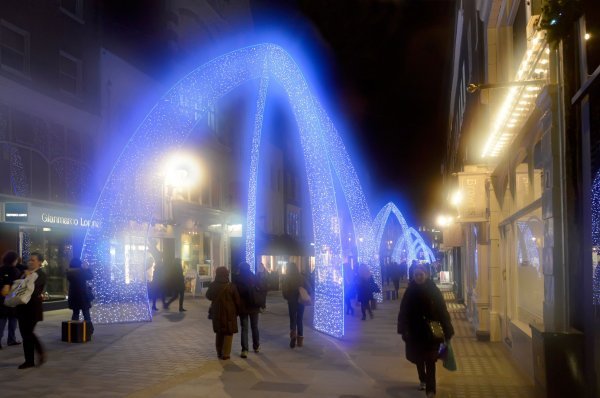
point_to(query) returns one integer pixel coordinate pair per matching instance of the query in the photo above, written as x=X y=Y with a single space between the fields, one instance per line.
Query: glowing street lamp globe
x=181 y=171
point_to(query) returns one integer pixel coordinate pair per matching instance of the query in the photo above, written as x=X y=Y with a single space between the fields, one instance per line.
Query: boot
x=292 y=338
x=300 y=341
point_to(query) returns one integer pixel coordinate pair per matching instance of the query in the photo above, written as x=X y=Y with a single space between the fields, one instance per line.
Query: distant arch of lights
x=409 y=244
x=133 y=190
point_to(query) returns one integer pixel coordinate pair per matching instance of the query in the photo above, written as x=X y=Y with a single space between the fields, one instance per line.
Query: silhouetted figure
x=291 y=284
x=79 y=291
x=8 y=274
x=252 y=297
x=176 y=283
x=224 y=308
x=31 y=313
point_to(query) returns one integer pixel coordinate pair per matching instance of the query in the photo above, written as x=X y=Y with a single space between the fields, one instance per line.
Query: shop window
x=530 y=279
x=14 y=48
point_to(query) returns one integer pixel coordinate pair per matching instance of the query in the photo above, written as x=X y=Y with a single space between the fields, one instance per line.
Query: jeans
x=426 y=370
x=86 y=316
x=364 y=307
x=296 y=312
x=254 y=326
x=12 y=326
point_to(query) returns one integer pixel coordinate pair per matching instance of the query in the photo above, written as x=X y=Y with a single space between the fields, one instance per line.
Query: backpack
x=257 y=296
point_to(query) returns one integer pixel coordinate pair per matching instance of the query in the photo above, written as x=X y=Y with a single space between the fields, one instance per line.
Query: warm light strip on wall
x=520 y=100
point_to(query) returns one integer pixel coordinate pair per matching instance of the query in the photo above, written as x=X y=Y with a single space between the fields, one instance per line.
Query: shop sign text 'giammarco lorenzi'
x=73 y=221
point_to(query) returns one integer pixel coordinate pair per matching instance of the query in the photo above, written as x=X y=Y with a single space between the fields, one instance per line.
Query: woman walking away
x=294 y=280
x=31 y=313
x=79 y=292
x=8 y=274
x=253 y=297
x=421 y=305
x=224 y=307
x=366 y=287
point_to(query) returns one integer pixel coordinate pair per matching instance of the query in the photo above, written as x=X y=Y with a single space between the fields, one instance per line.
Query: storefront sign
x=16 y=212
x=52 y=219
x=473 y=205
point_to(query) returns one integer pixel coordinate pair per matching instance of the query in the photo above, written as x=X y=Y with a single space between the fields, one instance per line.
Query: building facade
x=525 y=139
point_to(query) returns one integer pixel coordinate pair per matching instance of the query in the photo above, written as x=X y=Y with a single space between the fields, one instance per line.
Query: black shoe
x=154 y=308
x=26 y=365
x=182 y=310
x=14 y=343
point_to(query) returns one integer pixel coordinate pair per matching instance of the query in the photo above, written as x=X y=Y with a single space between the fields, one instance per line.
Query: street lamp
x=181 y=171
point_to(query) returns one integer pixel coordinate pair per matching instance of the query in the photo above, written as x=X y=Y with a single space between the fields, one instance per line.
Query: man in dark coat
x=250 y=289
x=176 y=283
x=79 y=292
x=224 y=308
x=423 y=302
x=8 y=274
x=31 y=313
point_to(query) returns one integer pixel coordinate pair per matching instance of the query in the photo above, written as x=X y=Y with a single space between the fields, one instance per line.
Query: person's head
x=420 y=274
x=75 y=263
x=35 y=261
x=222 y=273
x=10 y=258
x=292 y=269
x=244 y=268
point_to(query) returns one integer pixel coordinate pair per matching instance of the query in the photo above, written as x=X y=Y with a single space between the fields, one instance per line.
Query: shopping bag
x=21 y=291
x=449 y=359
x=303 y=296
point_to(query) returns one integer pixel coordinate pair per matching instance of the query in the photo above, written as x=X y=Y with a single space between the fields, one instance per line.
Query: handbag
x=21 y=291
x=449 y=361
x=303 y=296
x=436 y=331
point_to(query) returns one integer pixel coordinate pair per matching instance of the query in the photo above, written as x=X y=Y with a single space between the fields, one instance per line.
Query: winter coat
x=421 y=303
x=245 y=282
x=225 y=305
x=291 y=284
x=176 y=281
x=8 y=274
x=33 y=310
x=366 y=286
x=79 y=298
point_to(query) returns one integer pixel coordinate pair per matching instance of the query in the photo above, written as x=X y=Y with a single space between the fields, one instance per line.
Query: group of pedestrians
x=167 y=283
x=359 y=284
x=28 y=315
x=245 y=297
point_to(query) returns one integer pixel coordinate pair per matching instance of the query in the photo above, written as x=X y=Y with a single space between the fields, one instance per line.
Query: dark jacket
x=8 y=274
x=421 y=303
x=245 y=281
x=291 y=284
x=366 y=286
x=225 y=305
x=175 y=279
x=33 y=310
x=78 y=290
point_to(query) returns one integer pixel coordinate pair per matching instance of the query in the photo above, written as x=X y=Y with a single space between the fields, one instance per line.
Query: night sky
x=389 y=64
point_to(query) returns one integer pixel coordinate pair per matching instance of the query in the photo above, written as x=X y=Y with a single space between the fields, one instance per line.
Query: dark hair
x=292 y=269
x=75 y=263
x=9 y=257
x=38 y=256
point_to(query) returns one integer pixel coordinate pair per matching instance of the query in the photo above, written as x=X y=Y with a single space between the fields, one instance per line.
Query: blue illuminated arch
x=133 y=190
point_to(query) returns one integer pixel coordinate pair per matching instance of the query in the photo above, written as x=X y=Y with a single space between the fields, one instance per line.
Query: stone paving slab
x=174 y=356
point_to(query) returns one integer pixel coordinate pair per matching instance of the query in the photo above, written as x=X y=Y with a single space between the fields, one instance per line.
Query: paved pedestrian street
x=174 y=356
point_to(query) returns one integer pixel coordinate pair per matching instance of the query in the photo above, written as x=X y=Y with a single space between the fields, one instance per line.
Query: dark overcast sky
x=390 y=67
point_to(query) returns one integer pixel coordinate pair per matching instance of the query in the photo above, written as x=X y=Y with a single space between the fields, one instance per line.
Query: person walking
x=31 y=313
x=79 y=291
x=224 y=308
x=423 y=302
x=252 y=298
x=8 y=274
x=158 y=286
x=292 y=283
x=349 y=289
x=176 y=283
x=366 y=286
